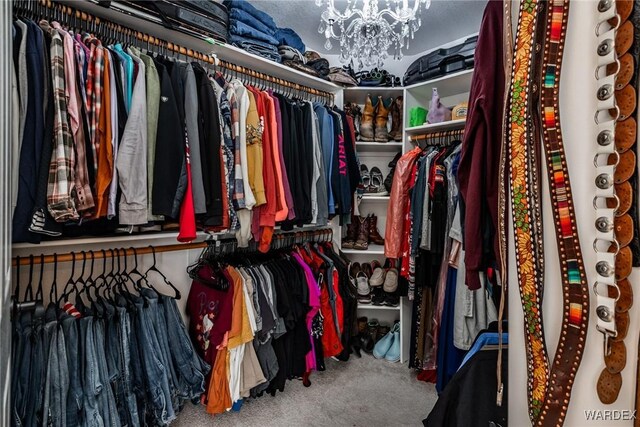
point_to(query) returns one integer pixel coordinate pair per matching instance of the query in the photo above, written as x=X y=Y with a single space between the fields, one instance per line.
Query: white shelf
x=106 y=240
x=373 y=250
x=224 y=51
x=451 y=84
x=358 y=94
x=376 y=198
x=435 y=127
x=377 y=307
x=378 y=146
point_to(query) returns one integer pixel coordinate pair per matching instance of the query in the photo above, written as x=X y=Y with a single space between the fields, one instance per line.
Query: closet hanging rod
x=433 y=135
x=271 y=79
x=65 y=14
x=102 y=253
x=297 y=237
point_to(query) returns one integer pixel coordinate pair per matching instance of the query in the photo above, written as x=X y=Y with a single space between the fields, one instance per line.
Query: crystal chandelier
x=366 y=34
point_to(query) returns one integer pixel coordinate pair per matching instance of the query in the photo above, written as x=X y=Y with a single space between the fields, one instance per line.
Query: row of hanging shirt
x=423 y=230
x=122 y=358
x=110 y=137
x=262 y=320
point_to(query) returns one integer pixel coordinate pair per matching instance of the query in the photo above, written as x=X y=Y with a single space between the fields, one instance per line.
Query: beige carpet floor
x=361 y=392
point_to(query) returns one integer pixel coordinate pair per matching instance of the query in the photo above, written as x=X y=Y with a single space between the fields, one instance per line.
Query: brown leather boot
x=382 y=117
x=396 y=120
x=352 y=233
x=362 y=241
x=362 y=324
x=374 y=234
x=352 y=109
x=395 y=126
x=366 y=123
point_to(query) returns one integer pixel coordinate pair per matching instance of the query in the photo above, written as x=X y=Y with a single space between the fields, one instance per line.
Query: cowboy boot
x=396 y=120
x=352 y=232
x=382 y=117
x=374 y=234
x=362 y=241
x=395 y=123
x=366 y=123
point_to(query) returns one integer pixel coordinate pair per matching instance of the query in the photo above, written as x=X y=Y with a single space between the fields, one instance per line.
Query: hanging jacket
x=169 y=152
x=478 y=172
x=397 y=202
x=210 y=142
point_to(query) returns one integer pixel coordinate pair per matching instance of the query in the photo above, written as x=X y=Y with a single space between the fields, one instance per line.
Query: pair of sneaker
x=383 y=281
x=388 y=347
x=384 y=284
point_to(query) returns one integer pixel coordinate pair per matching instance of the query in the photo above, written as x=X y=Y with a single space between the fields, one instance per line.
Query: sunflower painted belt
x=534 y=106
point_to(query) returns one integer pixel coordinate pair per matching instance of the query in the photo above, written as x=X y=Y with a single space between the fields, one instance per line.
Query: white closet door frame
x=5 y=209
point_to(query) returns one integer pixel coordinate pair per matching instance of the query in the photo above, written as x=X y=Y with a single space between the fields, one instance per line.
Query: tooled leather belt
x=549 y=387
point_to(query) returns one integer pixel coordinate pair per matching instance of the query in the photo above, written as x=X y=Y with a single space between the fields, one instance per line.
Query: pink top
x=314 y=303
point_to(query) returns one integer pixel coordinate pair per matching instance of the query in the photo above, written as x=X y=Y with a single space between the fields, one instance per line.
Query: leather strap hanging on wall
x=543 y=25
x=575 y=291
x=617 y=223
x=518 y=131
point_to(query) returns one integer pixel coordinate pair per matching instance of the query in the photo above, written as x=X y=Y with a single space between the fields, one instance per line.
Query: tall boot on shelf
x=352 y=233
x=397 y=120
x=382 y=118
x=368 y=116
x=362 y=241
x=374 y=234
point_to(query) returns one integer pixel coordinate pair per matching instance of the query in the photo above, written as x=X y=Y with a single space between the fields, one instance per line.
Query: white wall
x=577 y=107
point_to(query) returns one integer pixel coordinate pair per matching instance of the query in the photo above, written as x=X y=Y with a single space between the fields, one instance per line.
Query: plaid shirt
x=238 y=183
x=227 y=152
x=61 y=168
x=95 y=72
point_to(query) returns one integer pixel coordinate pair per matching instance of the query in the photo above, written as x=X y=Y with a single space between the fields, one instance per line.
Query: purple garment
x=285 y=180
x=314 y=303
x=479 y=178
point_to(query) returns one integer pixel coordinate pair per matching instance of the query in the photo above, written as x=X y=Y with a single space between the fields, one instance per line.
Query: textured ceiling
x=444 y=21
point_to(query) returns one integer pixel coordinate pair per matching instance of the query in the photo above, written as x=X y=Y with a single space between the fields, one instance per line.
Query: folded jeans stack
x=252 y=29
x=256 y=32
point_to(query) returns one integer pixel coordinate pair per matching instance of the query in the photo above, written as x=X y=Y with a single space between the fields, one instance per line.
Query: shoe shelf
x=362 y=146
x=359 y=94
x=377 y=307
x=372 y=197
x=435 y=127
x=372 y=250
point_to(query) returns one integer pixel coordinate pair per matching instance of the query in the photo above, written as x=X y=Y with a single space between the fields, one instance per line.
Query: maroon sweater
x=478 y=173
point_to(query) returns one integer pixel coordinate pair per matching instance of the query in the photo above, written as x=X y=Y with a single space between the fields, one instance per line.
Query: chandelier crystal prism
x=367 y=33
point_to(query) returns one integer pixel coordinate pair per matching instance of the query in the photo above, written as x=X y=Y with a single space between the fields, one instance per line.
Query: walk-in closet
x=319 y=213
